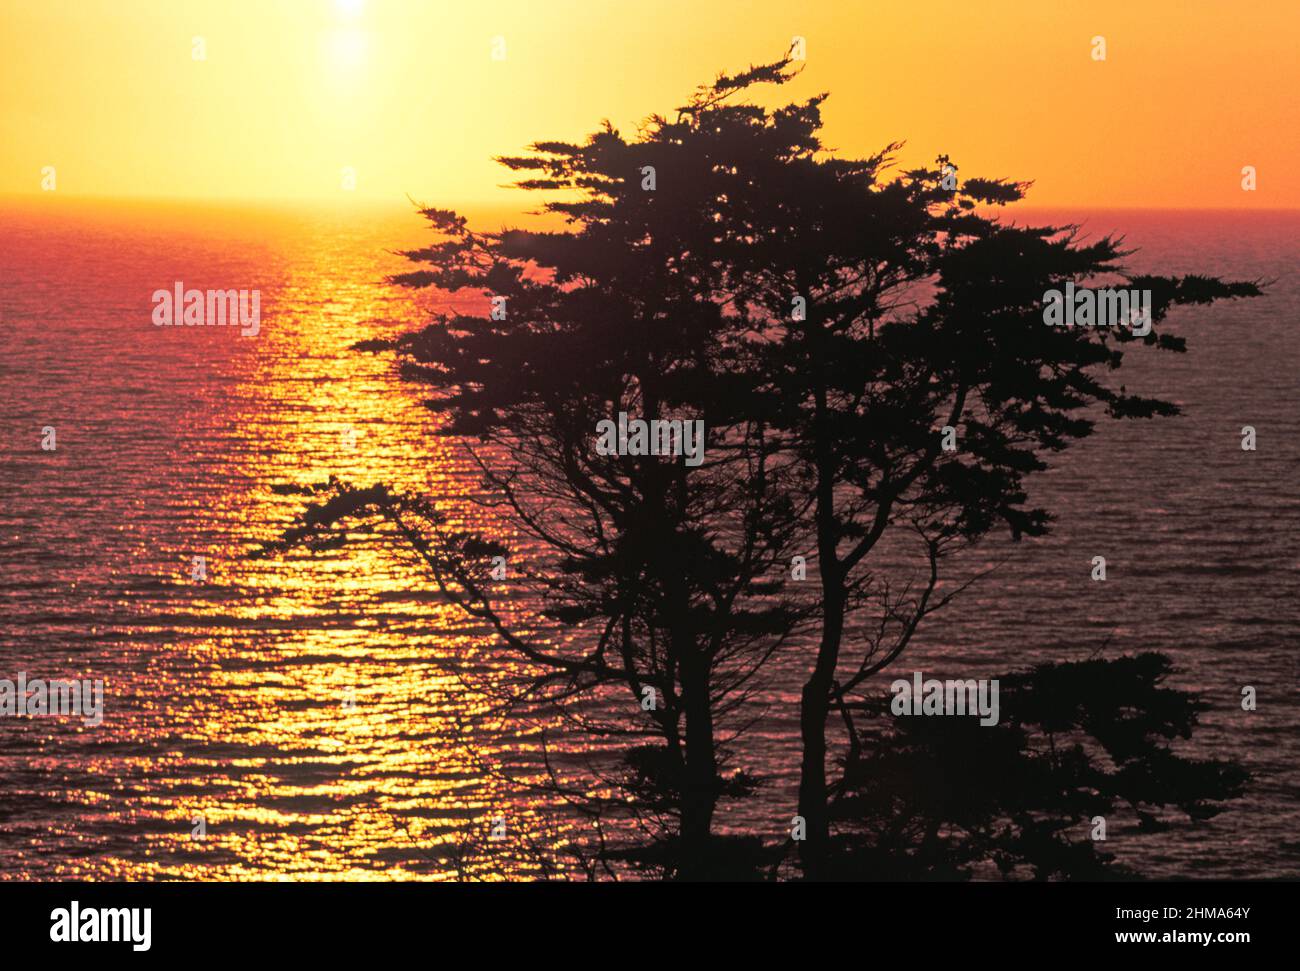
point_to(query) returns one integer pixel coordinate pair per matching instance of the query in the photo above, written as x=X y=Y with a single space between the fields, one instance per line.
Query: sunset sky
x=407 y=93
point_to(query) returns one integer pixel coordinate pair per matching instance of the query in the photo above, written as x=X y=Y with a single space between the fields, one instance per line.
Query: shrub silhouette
x=945 y=797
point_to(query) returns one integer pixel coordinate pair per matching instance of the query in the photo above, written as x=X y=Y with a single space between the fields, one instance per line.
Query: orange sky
x=407 y=94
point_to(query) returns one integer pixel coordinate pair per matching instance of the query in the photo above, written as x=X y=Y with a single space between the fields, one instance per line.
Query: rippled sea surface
x=295 y=703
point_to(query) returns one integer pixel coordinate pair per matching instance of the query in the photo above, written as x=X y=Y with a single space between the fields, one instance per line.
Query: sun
x=346 y=44
x=346 y=48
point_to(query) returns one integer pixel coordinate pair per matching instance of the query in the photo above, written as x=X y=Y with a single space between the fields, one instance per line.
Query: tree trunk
x=700 y=786
x=813 y=711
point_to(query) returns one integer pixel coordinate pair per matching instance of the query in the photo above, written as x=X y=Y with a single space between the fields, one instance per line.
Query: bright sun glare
x=347 y=47
x=347 y=44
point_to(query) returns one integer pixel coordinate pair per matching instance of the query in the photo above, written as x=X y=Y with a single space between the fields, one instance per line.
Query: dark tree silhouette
x=947 y=798
x=825 y=322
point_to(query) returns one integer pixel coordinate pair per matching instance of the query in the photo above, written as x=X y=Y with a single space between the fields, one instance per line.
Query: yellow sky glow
x=407 y=94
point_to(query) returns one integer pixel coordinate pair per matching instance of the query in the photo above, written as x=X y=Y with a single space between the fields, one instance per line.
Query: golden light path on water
x=382 y=786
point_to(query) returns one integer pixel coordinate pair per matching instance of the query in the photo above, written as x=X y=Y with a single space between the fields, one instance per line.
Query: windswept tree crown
x=826 y=318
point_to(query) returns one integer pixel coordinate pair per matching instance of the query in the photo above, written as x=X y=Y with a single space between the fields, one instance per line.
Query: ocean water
x=295 y=705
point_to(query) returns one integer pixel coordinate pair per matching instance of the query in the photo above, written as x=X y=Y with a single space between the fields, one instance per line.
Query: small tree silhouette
x=945 y=798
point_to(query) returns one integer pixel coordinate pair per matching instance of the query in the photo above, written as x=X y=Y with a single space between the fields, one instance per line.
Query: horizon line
x=343 y=199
